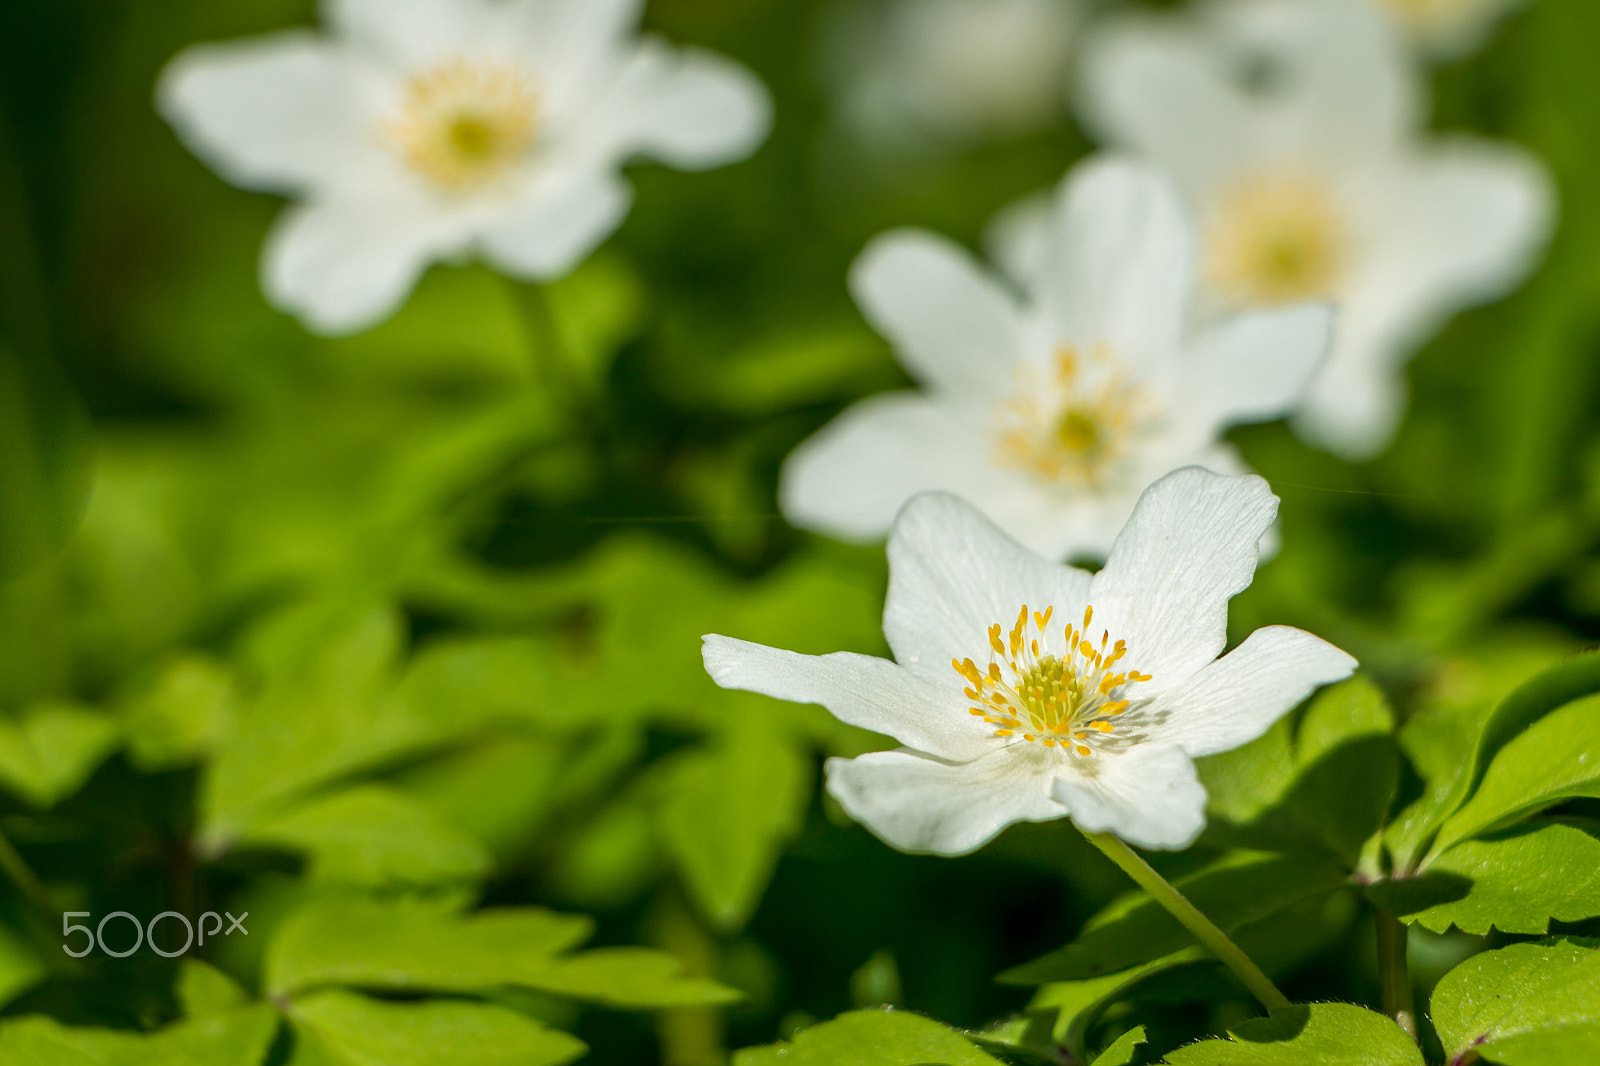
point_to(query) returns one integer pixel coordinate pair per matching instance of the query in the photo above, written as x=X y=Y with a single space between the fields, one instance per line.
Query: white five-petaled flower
x=1023 y=690
x=1447 y=28
x=1292 y=130
x=427 y=129
x=911 y=72
x=1050 y=411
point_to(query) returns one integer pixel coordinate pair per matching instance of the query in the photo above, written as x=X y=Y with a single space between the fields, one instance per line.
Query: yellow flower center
x=1053 y=699
x=1074 y=425
x=1275 y=238
x=462 y=125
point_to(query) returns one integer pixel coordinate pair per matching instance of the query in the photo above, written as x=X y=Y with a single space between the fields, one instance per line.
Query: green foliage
x=1523 y=1005
x=1122 y=1050
x=346 y=1029
x=1322 y=1034
x=49 y=751
x=869 y=1038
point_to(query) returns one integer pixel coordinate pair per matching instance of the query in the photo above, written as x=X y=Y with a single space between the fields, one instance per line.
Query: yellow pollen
x=462 y=125
x=1275 y=238
x=1074 y=425
x=1047 y=688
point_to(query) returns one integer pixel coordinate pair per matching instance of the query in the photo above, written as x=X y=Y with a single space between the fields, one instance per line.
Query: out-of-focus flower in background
x=426 y=129
x=1447 y=28
x=909 y=74
x=1292 y=129
x=1095 y=693
x=1050 y=412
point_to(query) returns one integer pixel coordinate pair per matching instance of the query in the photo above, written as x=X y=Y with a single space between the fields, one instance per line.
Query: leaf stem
x=1393 y=973
x=1178 y=905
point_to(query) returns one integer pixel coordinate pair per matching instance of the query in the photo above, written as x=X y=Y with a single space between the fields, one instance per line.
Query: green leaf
x=345 y=1029
x=869 y=1038
x=50 y=751
x=20 y=968
x=1242 y=784
x=414 y=946
x=372 y=835
x=1235 y=891
x=182 y=714
x=237 y=1038
x=1322 y=1034
x=205 y=990
x=729 y=808
x=1122 y=1049
x=1455 y=760
x=1078 y=1004
x=1556 y=758
x=1524 y=1005
x=1517 y=882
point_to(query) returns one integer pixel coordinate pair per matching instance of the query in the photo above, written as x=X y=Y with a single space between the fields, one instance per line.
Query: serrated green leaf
x=1122 y=1050
x=1322 y=1034
x=1523 y=1005
x=1077 y=1004
x=344 y=1029
x=418 y=946
x=51 y=749
x=372 y=835
x=1237 y=890
x=869 y=1038
x=1244 y=783
x=729 y=808
x=236 y=1038
x=1556 y=758
x=1517 y=882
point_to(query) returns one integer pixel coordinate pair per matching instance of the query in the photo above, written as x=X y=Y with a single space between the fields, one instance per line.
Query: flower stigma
x=1275 y=238
x=1073 y=426
x=1068 y=700
x=462 y=125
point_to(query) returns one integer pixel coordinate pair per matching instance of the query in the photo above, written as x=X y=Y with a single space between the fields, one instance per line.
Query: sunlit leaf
x=869 y=1038
x=49 y=751
x=345 y=1029
x=1523 y=1005
x=1123 y=1049
x=235 y=1038
x=1322 y=1034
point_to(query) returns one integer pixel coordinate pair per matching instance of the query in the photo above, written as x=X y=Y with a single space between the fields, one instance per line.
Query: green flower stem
x=1394 y=974
x=1180 y=908
x=548 y=348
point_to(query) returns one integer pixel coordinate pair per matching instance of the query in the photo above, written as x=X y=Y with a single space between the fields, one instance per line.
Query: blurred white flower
x=427 y=129
x=1292 y=128
x=1447 y=28
x=907 y=72
x=1024 y=690
x=1053 y=411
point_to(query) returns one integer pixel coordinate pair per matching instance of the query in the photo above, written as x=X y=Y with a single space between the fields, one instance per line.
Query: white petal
x=1233 y=700
x=1251 y=367
x=1149 y=84
x=1149 y=795
x=953 y=574
x=1355 y=403
x=344 y=266
x=575 y=45
x=861 y=690
x=410 y=34
x=1017 y=237
x=851 y=478
x=557 y=225
x=951 y=325
x=1189 y=547
x=689 y=108
x=916 y=803
x=1119 y=262
x=276 y=113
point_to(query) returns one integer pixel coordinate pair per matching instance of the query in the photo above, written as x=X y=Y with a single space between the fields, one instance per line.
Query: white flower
x=1050 y=412
x=1292 y=129
x=908 y=72
x=1024 y=690
x=1447 y=28
x=428 y=129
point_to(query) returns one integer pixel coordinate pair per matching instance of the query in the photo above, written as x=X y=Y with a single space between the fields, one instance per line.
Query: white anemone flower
x=1447 y=28
x=427 y=129
x=1050 y=410
x=1293 y=130
x=1024 y=690
x=911 y=72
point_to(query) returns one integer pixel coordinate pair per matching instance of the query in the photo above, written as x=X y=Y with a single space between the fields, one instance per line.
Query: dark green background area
x=203 y=506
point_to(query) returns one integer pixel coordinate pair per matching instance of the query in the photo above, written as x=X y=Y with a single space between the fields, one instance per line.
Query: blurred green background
x=402 y=613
